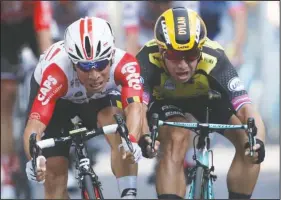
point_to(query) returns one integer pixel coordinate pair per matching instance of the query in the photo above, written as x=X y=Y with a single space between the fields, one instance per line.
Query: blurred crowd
x=248 y=30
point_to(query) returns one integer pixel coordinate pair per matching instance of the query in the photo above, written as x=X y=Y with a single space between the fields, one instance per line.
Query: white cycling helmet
x=89 y=39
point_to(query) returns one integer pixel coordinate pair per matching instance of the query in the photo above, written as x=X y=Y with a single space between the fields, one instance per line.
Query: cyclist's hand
x=145 y=144
x=127 y=154
x=41 y=170
x=259 y=151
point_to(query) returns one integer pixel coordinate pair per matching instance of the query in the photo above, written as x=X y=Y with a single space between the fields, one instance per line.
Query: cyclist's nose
x=94 y=74
x=183 y=64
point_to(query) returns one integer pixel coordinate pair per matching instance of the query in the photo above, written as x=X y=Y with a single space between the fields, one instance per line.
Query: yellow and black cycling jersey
x=214 y=72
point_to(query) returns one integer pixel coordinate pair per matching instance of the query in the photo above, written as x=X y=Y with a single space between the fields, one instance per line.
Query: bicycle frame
x=82 y=153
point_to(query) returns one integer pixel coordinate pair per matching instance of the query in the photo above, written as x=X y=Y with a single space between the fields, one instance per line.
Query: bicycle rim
x=199 y=184
x=88 y=191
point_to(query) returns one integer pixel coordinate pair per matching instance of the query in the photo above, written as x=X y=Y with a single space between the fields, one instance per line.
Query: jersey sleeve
x=53 y=86
x=149 y=72
x=127 y=74
x=42 y=15
x=226 y=76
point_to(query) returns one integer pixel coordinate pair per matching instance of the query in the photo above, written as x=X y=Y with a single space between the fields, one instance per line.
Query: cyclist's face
x=182 y=69
x=94 y=80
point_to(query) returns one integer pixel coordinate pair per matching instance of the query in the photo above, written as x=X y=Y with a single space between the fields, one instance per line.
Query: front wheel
x=199 y=183
x=89 y=190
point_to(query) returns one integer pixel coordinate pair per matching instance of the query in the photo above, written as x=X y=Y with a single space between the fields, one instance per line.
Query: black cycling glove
x=144 y=144
x=260 y=151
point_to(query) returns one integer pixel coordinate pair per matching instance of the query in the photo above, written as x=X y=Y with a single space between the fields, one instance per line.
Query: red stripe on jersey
x=90 y=29
x=127 y=73
x=49 y=52
x=53 y=86
x=55 y=53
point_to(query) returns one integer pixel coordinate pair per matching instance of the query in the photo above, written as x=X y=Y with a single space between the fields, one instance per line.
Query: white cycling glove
x=41 y=165
x=137 y=150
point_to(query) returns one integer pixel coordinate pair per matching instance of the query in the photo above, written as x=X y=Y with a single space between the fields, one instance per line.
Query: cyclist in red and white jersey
x=22 y=23
x=85 y=75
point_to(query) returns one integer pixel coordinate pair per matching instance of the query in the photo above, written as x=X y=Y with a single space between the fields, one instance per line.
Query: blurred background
x=248 y=30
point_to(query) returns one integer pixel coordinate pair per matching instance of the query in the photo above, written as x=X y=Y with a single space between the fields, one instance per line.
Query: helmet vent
x=98 y=49
x=78 y=52
x=73 y=56
x=88 y=46
x=109 y=28
x=105 y=52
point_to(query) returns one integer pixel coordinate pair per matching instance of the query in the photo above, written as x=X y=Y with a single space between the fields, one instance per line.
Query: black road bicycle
x=88 y=181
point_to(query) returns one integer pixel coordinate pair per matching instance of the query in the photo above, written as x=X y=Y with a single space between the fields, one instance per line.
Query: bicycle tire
x=88 y=191
x=199 y=183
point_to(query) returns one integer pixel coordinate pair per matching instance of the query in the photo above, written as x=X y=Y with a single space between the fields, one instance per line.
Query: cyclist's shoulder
x=55 y=62
x=212 y=53
x=149 y=55
x=55 y=54
x=213 y=48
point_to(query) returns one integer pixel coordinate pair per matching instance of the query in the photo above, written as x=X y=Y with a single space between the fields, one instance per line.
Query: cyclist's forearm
x=134 y=118
x=247 y=111
x=44 y=39
x=145 y=126
x=32 y=126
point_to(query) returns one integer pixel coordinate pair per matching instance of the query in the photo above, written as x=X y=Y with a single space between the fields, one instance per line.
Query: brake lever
x=252 y=131
x=123 y=130
x=34 y=151
x=154 y=129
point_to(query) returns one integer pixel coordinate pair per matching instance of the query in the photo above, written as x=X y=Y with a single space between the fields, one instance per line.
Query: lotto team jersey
x=214 y=72
x=57 y=78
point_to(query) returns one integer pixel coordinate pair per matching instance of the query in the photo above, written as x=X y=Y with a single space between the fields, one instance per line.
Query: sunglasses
x=99 y=65
x=188 y=56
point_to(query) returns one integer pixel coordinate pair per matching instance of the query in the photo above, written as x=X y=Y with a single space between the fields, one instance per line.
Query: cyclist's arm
x=53 y=86
x=42 y=24
x=227 y=77
x=247 y=111
x=127 y=74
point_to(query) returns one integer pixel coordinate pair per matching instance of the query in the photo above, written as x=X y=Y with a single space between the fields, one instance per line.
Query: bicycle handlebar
x=250 y=128
x=51 y=142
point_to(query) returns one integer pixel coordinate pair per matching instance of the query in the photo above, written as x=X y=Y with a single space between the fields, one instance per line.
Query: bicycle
x=91 y=187
x=202 y=175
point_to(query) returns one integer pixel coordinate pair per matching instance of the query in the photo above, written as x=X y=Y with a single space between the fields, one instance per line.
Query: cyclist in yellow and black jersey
x=179 y=66
x=213 y=72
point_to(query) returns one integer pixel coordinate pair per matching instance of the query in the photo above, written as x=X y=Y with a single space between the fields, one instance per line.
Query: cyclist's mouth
x=96 y=86
x=182 y=75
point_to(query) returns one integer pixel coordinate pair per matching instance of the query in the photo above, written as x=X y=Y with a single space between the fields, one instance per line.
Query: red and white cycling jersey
x=57 y=78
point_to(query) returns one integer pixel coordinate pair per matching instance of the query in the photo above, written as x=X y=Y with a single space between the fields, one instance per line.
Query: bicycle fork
x=202 y=160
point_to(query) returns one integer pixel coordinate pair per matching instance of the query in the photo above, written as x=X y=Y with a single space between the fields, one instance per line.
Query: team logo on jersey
x=78 y=94
x=47 y=91
x=235 y=84
x=35 y=115
x=169 y=85
x=75 y=83
x=132 y=76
